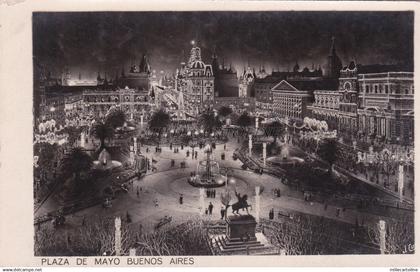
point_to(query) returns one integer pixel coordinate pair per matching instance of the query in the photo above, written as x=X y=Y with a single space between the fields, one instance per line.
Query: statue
x=241 y=204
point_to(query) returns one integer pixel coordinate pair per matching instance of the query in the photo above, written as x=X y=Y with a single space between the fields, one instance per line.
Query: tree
x=399 y=237
x=103 y=131
x=244 y=120
x=225 y=111
x=275 y=130
x=76 y=162
x=209 y=121
x=115 y=118
x=328 y=151
x=73 y=132
x=305 y=235
x=47 y=156
x=159 y=121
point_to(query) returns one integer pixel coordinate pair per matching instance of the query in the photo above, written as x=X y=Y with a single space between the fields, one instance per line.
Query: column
x=117 y=236
x=382 y=236
x=257 y=203
x=401 y=180
x=264 y=153
x=250 y=145
x=135 y=145
x=202 y=205
x=82 y=139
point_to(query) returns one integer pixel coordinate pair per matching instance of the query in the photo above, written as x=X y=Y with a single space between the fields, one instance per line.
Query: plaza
x=195 y=157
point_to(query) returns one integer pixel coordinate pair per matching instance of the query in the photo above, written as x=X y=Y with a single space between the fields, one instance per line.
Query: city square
x=205 y=158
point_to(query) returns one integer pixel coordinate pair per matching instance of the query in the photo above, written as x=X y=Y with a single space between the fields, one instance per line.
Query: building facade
x=326 y=107
x=289 y=101
x=386 y=106
x=138 y=77
x=131 y=101
x=196 y=80
x=237 y=104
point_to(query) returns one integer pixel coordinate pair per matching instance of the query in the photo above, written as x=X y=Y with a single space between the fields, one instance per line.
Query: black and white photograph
x=214 y=133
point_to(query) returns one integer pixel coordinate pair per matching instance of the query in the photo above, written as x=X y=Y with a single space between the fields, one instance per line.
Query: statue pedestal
x=241 y=227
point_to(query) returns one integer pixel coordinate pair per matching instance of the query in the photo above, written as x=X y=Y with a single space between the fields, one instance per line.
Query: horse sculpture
x=241 y=204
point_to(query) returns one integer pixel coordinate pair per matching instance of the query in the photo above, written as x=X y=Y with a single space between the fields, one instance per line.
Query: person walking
x=210 y=208
x=181 y=199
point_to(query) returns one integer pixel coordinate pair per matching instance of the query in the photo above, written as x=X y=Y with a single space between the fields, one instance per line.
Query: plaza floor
x=159 y=193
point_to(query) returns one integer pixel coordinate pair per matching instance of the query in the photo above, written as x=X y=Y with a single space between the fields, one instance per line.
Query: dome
x=104 y=157
x=198 y=65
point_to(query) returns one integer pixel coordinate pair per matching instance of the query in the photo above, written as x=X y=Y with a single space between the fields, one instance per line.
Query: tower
x=144 y=65
x=334 y=64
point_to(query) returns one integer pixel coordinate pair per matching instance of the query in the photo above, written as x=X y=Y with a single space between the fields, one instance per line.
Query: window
x=376 y=88
x=386 y=89
x=367 y=89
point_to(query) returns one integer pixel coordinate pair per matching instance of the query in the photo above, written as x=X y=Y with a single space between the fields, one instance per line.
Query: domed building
x=199 y=80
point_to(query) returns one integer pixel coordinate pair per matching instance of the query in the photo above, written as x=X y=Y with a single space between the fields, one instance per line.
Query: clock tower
x=348 y=86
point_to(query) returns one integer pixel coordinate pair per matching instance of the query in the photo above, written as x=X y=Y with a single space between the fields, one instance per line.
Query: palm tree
x=103 y=131
x=115 y=118
x=275 y=130
x=76 y=162
x=328 y=152
x=209 y=121
x=159 y=121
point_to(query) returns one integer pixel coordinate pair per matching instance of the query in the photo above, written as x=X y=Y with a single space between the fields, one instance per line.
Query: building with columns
x=326 y=107
x=386 y=106
x=131 y=101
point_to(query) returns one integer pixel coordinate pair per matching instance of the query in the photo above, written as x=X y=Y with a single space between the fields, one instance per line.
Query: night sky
x=91 y=42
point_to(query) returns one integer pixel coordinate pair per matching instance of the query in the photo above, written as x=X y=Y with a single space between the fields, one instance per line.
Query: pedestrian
x=181 y=199
x=207 y=211
x=210 y=208
x=222 y=213
x=138 y=193
x=224 y=147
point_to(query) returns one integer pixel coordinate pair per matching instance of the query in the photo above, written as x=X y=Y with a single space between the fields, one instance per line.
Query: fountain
x=125 y=128
x=284 y=158
x=208 y=172
x=105 y=161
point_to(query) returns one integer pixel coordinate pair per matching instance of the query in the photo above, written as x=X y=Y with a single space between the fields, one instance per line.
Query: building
x=386 y=106
x=326 y=107
x=237 y=104
x=289 y=101
x=262 y=87
x=334 y=64
x=196 y=80
x=226 y=83
x=130 y=101
x=246 y=82
x=138 y=77
x=348 y=101
x=293 y=98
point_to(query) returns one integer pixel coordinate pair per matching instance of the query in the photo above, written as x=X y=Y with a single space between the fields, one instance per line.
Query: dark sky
x=89 y=42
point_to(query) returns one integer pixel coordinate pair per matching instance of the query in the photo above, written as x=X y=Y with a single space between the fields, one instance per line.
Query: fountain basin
x=107 y=166
x=281 y=161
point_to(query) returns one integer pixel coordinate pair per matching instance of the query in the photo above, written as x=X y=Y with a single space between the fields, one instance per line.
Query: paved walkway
x=165 y=186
